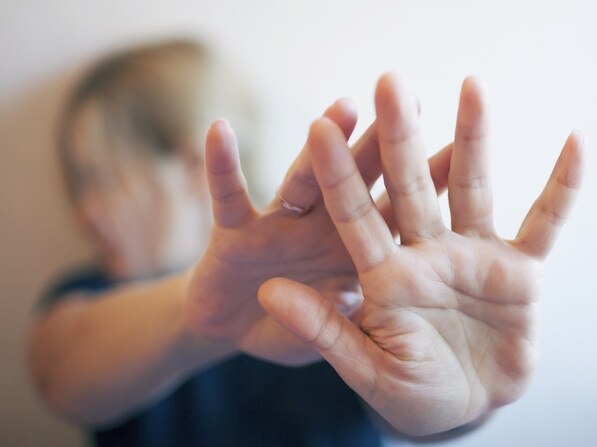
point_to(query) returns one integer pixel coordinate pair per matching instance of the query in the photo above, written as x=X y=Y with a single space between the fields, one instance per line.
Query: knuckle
x=474 y=183
x=327 y=334
x=410 y=187
x=551 y=214
x=357 y=212
x=228 y=196
x=339 y=181
x=566 y=182
x=305 y=178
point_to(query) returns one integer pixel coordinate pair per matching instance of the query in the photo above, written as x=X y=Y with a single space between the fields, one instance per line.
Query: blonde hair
x=159 y=97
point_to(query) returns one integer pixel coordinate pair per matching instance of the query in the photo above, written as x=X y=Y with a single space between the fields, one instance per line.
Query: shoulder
x=85 y=280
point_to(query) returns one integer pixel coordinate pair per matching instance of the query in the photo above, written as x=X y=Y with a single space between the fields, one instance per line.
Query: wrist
x=196 y=351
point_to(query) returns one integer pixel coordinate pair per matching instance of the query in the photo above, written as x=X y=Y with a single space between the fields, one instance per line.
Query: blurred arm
x=96 y=361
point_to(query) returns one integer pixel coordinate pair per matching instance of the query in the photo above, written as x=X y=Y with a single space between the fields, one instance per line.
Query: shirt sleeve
x=87 y=281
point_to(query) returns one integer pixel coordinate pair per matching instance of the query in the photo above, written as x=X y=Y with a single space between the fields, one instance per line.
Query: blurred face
x=145 y=214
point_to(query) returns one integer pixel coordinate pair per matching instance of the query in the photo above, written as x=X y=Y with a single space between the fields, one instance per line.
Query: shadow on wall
x=38 y=240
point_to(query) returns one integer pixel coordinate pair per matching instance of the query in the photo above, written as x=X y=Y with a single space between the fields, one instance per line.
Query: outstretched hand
x=293 y=237
x=446 y=330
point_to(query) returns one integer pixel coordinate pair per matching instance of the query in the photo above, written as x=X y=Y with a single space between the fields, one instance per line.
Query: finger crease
x=337 y=182
x=232 y=170
x=305 y=179
x=480 y=182
x=416 y=185
x=554 y=217
x=357 y=213
x=229 y=197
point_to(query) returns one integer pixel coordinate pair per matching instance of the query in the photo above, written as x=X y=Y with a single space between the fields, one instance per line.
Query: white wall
x=538 y=56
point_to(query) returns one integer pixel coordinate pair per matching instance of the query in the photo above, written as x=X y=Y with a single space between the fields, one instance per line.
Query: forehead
x=99 y=156
x=94 y=142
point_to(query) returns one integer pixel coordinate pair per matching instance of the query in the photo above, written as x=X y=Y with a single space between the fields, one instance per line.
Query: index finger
x=299 y=187
x=362 y=229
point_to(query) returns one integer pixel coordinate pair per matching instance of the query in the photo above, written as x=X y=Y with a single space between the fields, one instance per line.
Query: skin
x=96 y=373
x=247 y=247
x=434 y=343
x=447 y=328
x=162 y=331
x=131 y=206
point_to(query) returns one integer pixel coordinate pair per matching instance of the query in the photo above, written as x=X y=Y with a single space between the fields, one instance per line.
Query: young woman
x=146 y=347
x=165 y=342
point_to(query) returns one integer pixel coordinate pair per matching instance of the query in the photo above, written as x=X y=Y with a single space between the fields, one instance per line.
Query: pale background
x=538 y=56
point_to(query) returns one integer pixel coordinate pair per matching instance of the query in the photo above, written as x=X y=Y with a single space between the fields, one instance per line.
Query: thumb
x=318 y=323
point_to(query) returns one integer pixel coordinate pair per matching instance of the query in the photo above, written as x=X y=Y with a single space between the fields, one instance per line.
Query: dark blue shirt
x=240 y=402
